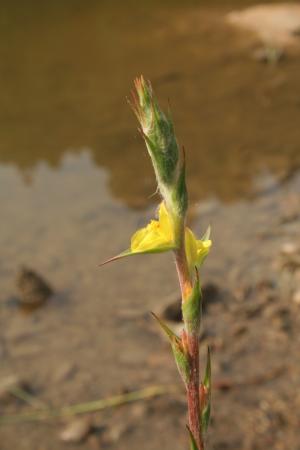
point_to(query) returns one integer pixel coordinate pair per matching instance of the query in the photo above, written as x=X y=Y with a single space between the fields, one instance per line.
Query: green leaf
x=207 y=376
x=193 y=444
x=181 y=358
x=205 y=412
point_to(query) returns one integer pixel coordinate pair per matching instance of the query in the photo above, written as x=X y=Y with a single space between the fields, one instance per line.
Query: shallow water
x=68 y=71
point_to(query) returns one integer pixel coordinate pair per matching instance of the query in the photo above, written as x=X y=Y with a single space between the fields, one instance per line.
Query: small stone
x=139 y=410
x=296 y=297
x=117 y=431
x=77 y=430
x=289 y=248
x=34 y=290
x=289 y=256
x=8 y=385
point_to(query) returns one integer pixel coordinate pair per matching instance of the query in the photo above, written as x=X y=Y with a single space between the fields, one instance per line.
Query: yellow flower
x=157 y=236
x=196 y=250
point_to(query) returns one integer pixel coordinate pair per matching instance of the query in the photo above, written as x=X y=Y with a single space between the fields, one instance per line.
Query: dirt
x=252 y=327
x=75 y=184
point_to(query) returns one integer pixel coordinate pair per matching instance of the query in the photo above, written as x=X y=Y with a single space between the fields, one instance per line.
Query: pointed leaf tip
x=206 y=407
x=180 y=356
x=115 y=258
x=206 y=235
x=169 y=333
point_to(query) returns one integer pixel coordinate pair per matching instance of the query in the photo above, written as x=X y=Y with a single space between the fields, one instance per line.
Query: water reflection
x=69 y=69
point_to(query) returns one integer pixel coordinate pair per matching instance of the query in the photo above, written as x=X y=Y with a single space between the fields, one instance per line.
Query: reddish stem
x=192 y=340
x=193 y=397
x=183 y=272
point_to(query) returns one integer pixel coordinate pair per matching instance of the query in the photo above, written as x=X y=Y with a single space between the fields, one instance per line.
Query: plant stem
x=192 y=341
x=183 y=272
x=193 y=399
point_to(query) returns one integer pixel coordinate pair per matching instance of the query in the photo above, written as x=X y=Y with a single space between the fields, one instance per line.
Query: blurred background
x=76 y=182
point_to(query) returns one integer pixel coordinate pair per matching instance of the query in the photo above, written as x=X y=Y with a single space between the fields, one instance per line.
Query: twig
x=97 y=405
x=20 y=393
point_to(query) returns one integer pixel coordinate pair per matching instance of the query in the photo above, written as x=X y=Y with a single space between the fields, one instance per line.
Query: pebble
x=34 y=291
x=117 y=431
x=139 y=410
x=289 y=248
x=77 y=430
x=290 y=256
x=296 y=297
x=8 y=385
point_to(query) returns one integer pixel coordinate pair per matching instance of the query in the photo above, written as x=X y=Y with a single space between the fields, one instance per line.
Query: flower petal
x=165 y=222
x=196 y=250
x=203 y=248
x=156 y=237
x=190 y=248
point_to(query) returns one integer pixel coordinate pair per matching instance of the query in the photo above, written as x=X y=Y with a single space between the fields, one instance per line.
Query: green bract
x=158 y=131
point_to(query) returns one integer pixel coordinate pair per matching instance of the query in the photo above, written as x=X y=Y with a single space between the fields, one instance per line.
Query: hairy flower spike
x=158 y=132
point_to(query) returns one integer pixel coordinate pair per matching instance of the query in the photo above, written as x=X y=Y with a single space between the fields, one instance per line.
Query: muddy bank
x=97 y=339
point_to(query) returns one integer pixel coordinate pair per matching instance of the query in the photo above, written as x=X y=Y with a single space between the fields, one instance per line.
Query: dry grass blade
x=97 y=405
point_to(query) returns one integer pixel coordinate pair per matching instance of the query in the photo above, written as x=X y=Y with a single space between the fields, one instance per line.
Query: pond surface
x=68 y=70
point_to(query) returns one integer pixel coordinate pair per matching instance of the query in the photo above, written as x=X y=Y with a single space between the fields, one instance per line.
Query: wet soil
x=81 y=347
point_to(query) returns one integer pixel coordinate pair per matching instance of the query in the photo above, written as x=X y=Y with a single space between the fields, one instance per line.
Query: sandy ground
x=94 y=337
